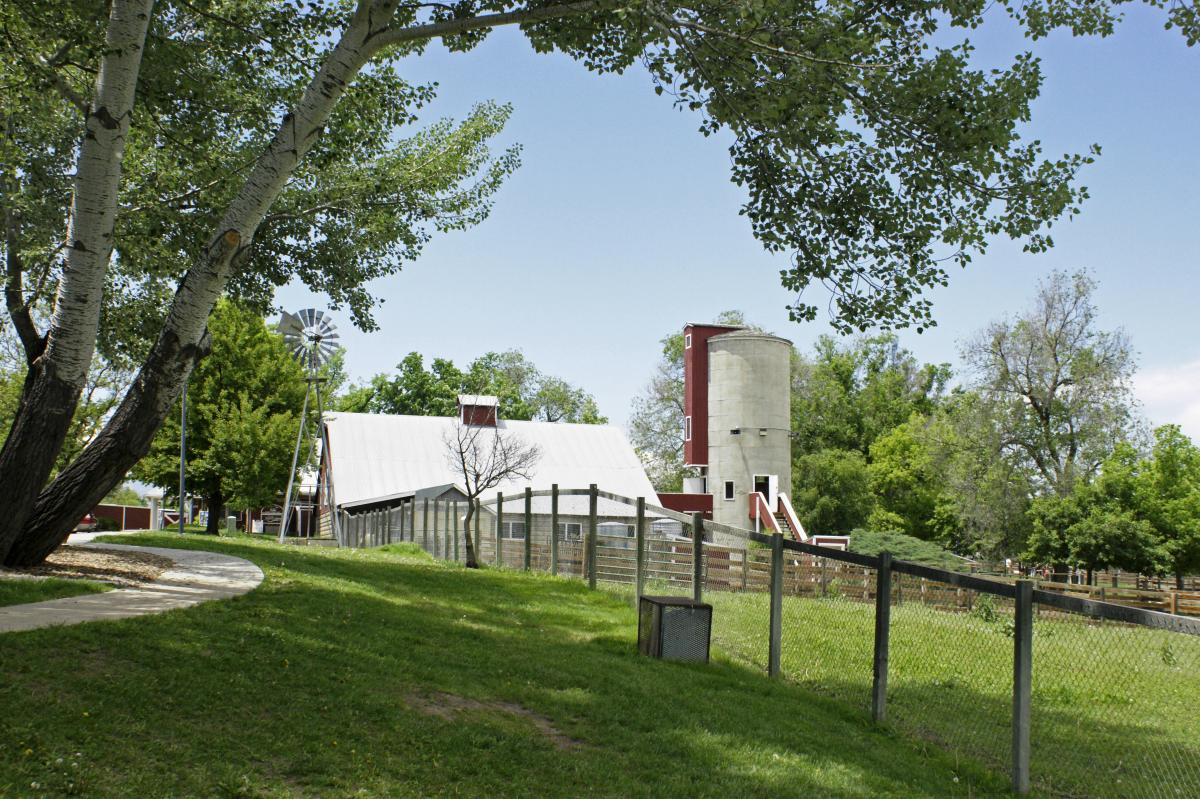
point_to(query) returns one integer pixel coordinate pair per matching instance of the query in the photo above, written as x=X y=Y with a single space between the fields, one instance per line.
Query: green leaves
x=244 y=404
x=524 y=392
x=1141 y=513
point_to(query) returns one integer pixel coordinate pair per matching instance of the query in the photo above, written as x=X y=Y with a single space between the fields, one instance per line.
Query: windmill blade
x=326 y=328
x=307 y=316
x=289 y=325
x=325 y=352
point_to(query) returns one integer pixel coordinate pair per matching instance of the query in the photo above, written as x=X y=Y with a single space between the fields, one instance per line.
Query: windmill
x=311 y=337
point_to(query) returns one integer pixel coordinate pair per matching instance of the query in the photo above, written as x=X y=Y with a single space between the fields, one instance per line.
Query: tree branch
x=14 y=298
x=452 y=27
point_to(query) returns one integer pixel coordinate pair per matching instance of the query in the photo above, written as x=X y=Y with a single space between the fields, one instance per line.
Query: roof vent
x=478 y=409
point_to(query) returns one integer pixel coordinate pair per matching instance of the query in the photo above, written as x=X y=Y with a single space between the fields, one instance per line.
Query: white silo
x=749 y=422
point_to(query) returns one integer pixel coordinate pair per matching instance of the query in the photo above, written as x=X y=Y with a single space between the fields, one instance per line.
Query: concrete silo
x=737 y=406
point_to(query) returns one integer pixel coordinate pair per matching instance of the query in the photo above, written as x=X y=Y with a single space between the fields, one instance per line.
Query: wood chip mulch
x=120 y=567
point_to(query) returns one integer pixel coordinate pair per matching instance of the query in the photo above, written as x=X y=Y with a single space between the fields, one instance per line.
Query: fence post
x=447 y=535
x=412 y=519
x=554 y=529
x=499 y=527
x=883 y=619
x=776 y=635
x=425 y=525
x=590 y=554
x=641 y=545
x=697 y=555
x=1022 y=685
x=455 y=531
x=436 y=505
x=528 y=527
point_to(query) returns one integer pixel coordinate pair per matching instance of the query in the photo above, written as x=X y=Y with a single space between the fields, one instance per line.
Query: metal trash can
x=674 y=628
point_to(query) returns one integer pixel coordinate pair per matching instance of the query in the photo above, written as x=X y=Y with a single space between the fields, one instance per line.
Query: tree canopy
x=1060 y=386
x=524 y=392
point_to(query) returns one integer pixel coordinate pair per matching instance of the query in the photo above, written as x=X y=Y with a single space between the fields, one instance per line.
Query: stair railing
x=760 y=511
x=789 y=513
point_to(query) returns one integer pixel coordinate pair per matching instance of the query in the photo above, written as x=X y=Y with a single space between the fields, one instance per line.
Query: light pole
x=182 y=455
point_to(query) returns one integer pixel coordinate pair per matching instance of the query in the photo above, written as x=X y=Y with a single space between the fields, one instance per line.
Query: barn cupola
x=478 y=409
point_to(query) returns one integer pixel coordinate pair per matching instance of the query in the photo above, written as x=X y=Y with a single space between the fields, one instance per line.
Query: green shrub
x=906 y=547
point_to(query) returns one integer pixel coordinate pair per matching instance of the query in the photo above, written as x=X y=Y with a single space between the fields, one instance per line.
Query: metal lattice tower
x=311 y=337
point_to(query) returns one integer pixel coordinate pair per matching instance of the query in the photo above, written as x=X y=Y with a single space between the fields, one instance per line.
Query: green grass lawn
x=1114 y=707
x=383 y=673
x=18 y=592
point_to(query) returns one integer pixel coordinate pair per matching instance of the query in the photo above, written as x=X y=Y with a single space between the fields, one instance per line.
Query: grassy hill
x=383 y=673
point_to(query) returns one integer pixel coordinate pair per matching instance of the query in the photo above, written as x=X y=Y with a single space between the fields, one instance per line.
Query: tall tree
x=1099 y=524
x=232 y=191
x=656 y=420
x=244 y=404
x=843 y=162
x=485 y=457
x=1059 y=385
x=1169 y=498
x=987 y=494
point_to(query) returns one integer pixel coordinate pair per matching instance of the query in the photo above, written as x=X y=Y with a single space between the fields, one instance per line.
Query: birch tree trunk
x=183 y=339
x=56 y=376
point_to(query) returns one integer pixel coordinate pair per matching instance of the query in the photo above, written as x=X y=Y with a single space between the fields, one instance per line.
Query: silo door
x=768 y=486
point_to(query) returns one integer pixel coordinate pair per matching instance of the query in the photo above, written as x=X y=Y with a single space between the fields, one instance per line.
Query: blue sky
x=622 y=223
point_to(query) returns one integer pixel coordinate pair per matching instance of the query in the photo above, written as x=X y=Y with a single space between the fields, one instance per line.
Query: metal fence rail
x=1074 y=696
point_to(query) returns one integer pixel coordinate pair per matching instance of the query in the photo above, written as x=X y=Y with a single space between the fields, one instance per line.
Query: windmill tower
x=311 y=337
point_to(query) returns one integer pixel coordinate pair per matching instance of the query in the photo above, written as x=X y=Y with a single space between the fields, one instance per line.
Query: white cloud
x=1171 y=395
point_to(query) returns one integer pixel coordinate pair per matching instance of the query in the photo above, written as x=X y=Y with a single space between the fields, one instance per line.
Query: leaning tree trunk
x=127 y=436
x=57 y=374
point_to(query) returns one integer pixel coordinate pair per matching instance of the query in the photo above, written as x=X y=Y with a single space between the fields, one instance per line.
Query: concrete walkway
x=196 y=577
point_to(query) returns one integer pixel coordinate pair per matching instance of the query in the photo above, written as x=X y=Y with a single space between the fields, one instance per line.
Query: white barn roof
x=374 y=456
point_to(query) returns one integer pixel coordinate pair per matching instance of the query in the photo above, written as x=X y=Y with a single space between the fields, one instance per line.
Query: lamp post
x=182 y=456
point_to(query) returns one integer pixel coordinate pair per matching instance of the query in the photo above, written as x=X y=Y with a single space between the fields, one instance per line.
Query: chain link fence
x=1116 y=707
x=1069 y=695
x=951 y=668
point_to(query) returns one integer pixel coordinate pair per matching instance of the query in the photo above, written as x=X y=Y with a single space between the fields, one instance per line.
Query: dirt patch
x=120 y=567
x=448 y=706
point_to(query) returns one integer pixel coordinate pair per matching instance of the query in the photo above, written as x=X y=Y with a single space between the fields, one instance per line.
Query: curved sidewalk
x=196 y=577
